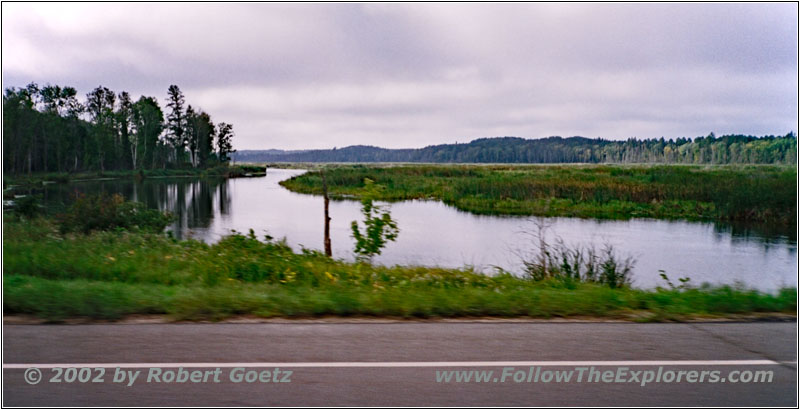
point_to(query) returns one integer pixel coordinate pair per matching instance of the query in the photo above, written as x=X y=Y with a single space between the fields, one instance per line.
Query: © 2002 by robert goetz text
x=129 y=377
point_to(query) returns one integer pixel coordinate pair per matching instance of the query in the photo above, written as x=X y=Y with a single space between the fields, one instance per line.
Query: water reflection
x=193 y=202
x=767 y=234
x=432 y=233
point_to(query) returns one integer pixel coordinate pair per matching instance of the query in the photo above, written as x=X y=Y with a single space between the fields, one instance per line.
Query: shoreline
x=40 y=179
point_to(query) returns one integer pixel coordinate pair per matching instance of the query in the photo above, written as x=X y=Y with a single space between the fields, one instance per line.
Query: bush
x=27 y=206
x=379 y=227
x=107 y=212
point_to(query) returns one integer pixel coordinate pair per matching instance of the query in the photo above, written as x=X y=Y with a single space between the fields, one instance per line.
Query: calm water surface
x=432 y=233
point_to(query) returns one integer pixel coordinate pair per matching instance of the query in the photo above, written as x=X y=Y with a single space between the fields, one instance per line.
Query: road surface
x=396 y=364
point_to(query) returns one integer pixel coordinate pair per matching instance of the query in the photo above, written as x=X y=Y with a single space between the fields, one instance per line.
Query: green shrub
x=107 y=212
x=379 y=227
x=28 y=206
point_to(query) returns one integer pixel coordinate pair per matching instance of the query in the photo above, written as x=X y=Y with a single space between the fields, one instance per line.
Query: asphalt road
x=395 y=364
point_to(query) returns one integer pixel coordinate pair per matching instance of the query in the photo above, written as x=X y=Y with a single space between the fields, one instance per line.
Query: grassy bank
x=109 y=275
x=61 y=177
x=734 y=193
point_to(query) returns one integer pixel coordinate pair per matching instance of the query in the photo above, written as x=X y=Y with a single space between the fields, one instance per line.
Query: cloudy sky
x=408 y=75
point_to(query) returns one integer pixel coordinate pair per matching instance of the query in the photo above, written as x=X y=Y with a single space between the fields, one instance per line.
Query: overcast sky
x=296 y=76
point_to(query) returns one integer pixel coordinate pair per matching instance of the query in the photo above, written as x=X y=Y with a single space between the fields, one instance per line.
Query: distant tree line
x=48 y=129
x=728 y=149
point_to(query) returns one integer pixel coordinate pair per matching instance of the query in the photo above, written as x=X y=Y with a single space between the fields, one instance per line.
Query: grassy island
x=759 y=193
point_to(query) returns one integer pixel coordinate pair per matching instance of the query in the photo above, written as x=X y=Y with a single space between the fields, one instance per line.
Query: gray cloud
x=407 y=75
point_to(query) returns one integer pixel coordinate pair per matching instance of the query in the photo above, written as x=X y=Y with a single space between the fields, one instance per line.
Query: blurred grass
x=109 y=275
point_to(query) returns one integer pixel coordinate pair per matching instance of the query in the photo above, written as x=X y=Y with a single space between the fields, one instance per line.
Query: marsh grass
x=733 y=193
x=548 y=259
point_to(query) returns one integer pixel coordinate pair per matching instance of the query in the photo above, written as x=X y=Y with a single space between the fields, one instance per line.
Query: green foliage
x=106 y=212
x=28 y=206
x=148 y=120
x=736 y=193
x=44 y=131
x=379 y=227
x=112 y=274
x=200 y=134
x=684 y=281
x=224 y=147
x=62 y=299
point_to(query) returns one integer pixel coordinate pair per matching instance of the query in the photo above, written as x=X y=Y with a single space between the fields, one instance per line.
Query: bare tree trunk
x=327 y=239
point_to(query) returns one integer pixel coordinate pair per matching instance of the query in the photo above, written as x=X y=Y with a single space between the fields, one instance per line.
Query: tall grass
x=111 y=274
x=548 y=259
x=735 y=193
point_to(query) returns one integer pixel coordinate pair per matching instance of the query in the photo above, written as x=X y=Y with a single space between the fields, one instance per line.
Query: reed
x=726 y=193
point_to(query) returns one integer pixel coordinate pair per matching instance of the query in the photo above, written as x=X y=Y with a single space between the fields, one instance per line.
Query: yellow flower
x=289 y=275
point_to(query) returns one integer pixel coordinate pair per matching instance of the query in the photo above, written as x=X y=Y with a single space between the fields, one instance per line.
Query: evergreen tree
x=176 y=123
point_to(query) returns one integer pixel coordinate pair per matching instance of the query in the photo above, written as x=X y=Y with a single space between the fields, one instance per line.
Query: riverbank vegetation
x=110 y=274
x=220 y=171
x=727 y=193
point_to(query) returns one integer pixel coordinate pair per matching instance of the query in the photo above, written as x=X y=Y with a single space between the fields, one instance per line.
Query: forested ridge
x=727 y=149
x=48 y=129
